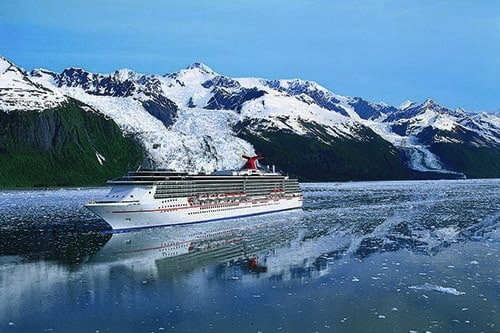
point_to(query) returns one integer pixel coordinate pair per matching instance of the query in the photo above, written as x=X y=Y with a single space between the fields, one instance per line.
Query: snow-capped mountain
x=420 y=128
x=181 y=138
x=311 y=92
x=197 y=119
x=19 y=92
x=203 y=108
x=446 y=125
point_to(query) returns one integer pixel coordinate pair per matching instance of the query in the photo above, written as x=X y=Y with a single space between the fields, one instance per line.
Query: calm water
x=360 y=257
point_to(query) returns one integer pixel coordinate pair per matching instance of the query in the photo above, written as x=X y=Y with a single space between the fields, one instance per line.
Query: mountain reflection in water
x=353 y=220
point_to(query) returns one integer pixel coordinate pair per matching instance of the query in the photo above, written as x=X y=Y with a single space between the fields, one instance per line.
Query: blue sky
x=380 y=50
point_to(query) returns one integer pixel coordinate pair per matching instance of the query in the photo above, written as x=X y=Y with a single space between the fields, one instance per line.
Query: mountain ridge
x=199 y=120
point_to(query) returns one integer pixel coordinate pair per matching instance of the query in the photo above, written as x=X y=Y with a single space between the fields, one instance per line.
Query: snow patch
x=101 y=159
x=19 y=92
x=4 y=65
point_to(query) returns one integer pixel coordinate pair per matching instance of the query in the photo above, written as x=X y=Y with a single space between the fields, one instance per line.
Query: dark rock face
x=368 y=110
x=162 y=108
x=95 y=84
x=66 y=146
x=227 y=100
x=221 y=81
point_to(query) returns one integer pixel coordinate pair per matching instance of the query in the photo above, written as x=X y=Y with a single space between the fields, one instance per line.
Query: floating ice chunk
x=448 y=233
x=439 y=289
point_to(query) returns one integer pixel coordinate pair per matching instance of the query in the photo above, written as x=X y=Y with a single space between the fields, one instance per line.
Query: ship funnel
x=251 y=163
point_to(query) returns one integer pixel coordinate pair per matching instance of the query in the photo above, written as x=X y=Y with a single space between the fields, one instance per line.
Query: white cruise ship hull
x=150 y=198
x=154 y=212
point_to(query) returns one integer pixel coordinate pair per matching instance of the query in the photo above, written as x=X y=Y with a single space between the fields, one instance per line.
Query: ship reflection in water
x=237 y=247
x=232 y=248
x=280 y=247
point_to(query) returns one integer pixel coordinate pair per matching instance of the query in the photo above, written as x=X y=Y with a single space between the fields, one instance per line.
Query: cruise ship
x=149 y=198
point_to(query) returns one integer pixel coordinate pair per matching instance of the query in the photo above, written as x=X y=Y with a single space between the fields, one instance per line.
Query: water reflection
x=359 y=219
x=66 y=246
x=359 y=257
x=291 y=245
x=277 y=247
x=175 y=251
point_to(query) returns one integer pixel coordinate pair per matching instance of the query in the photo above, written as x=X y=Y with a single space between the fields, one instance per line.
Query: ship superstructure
x=147 y=198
